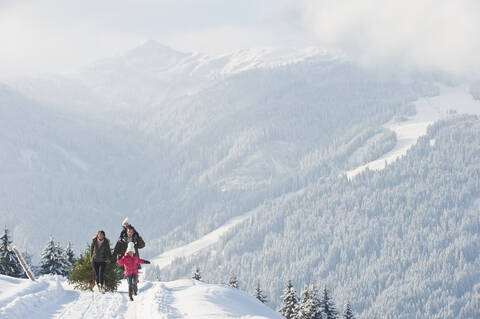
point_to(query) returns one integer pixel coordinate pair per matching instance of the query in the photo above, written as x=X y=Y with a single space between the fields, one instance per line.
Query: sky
x=52 y=36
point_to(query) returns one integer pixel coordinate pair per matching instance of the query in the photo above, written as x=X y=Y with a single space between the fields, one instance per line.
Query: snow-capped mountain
x=193 y=148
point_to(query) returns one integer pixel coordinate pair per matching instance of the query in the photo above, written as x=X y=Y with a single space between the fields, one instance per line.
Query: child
x=129 y=262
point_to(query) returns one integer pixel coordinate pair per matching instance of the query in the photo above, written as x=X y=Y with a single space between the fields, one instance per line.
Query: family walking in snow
x=126 y=253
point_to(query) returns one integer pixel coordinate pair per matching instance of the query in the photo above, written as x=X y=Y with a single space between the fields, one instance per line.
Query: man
x=122 y=242
x=125 y=224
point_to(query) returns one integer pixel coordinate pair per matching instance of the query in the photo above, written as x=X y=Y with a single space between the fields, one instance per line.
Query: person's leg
x=130 y=280
x=101 y=272
x=135 y=280
x=96 y=267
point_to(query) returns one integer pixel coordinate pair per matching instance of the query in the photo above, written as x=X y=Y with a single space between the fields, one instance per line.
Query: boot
x=130 y=292
x=92 y=284
x=135 y=290
x=104 y=287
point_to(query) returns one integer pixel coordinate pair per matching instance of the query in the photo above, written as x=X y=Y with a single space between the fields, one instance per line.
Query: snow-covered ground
x=456 y=100
x=167 y=257
x=53 y=297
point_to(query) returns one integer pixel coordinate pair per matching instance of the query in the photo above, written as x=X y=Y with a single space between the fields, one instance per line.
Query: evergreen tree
x=196 y=275
x=290 y=302
x=309 y=306
x=81 y=276
x=232 y=281
x=327 y=306
x=259 y=294
x=53 y=260
x=70 y=257
x=348 y=314
x=9 y=264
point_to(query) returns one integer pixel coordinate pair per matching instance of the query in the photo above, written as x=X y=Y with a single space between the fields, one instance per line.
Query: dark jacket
x=123 y=233
x=102 y=253
x=122 y=244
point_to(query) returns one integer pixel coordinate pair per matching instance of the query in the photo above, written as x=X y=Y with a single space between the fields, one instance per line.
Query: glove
x=147 y=262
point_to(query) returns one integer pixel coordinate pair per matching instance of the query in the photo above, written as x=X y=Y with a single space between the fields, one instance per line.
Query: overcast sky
x=61 y=35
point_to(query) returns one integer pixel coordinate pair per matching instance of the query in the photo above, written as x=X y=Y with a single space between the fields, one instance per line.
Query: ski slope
x=53 y=297
x=166 y=258
x=456 y=100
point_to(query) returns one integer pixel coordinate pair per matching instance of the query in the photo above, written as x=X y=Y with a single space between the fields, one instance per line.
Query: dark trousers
x=99 y=267
x=132 y=280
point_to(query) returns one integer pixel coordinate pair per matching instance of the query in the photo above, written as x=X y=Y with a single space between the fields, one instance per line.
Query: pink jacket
x=130 y=264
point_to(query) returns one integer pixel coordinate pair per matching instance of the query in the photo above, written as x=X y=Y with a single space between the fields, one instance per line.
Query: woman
x=99 y=254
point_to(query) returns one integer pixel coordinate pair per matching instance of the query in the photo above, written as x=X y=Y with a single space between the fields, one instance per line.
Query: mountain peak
x=154 y=48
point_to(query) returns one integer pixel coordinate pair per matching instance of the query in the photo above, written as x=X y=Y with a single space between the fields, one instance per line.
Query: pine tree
x=327 y=306
x=9 y=264
x=348 y=314
x=233 y=281
x=70 y=257
x=196 y=275
x=309 y=306
x=290 y=302
x=53 y=260
x=259 y=294
x=81 y=276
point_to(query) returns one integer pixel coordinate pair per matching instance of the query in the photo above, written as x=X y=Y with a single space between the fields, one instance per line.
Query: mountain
x=252 y=162
x=398 y=242
x=52 y=297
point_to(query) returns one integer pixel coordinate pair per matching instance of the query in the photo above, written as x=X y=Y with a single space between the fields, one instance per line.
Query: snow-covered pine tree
x=309 y=306
x=70 y=257
x=259 y=294
x=327 y=306
x=290 y=302
x=53 y=260
x=196 y=275
x=233 y=281
x=348 y=313
x=9 y=264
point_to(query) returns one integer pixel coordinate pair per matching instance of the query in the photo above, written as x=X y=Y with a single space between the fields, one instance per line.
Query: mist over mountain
x=183 y=142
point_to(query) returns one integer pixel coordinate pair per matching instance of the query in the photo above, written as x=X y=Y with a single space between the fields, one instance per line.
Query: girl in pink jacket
x=129 y=263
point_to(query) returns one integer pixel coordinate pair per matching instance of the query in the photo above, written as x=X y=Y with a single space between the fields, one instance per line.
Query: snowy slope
x=206 y=241
x=451 y=100
x=53 y=297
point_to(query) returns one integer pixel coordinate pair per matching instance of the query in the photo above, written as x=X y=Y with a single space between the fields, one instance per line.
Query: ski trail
x=429 y=110
x=166 y=258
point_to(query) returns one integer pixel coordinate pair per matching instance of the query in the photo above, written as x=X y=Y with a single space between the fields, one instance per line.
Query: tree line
x=311 y=304
x=55 y=260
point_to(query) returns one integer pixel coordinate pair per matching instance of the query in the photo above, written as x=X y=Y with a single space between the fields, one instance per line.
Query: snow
x=456 y=100
x=73 y=159
x=53 y=297
x=166 y=258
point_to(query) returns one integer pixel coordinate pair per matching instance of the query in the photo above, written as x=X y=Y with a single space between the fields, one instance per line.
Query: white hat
x=131 y=247
x=125 y=221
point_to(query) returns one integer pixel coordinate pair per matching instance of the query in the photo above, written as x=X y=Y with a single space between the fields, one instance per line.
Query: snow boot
x=135 y=290
x=92 y=285
x=130 y=292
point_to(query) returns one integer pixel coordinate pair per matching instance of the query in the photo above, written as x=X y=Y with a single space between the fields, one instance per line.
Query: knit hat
x=125 y=221
x=131 y=247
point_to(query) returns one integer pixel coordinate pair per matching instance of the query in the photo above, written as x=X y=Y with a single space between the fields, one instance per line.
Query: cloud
x=440 y=34
x=57 y=35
